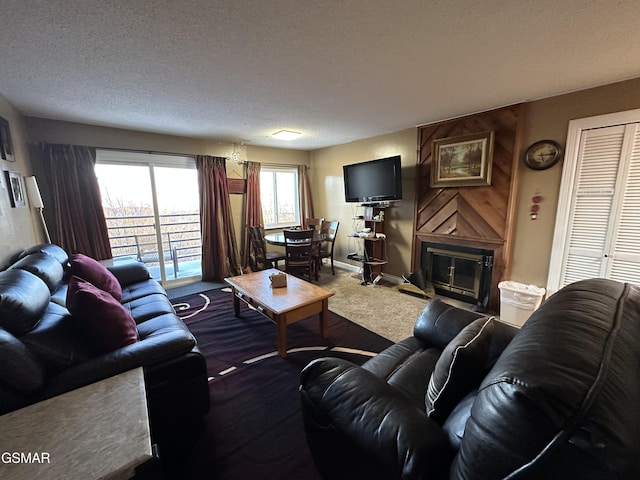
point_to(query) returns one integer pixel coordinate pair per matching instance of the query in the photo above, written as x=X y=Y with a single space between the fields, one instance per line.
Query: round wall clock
x=542 y=154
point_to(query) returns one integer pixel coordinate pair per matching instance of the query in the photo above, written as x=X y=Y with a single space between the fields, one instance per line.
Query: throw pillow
x=94 y=272
x=459 y=369
x=103 y=319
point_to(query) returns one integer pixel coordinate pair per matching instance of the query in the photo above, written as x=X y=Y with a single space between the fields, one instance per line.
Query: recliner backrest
x=440 y=322
x=562 y=399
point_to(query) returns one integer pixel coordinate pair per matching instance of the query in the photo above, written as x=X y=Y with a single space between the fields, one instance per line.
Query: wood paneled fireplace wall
x=479 y=217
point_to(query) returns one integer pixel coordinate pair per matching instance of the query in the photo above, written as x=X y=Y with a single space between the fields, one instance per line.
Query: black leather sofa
x=469 y=398
x=43 y=352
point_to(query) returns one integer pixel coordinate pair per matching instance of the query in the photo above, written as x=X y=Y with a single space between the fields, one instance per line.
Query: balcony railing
x=135 y=235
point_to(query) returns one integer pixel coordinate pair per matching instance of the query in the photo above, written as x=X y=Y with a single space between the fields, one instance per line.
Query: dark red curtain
x=306 y=202
x=253 y=213
x=219 y=247
x=79 y=224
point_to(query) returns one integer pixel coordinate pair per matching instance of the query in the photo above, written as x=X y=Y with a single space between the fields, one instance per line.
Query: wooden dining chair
x=259 y=257
x=325 y=249
x=314 y=223
x=299 y=259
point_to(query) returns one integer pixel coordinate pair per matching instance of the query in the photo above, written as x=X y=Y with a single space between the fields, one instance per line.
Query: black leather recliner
x=469 y=398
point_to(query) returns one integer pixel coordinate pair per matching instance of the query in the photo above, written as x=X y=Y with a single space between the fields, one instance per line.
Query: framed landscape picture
x=462 y=161
x=15 y=189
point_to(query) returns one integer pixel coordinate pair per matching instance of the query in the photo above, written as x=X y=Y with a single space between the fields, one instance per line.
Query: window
x=279 y=196
x=151 y=205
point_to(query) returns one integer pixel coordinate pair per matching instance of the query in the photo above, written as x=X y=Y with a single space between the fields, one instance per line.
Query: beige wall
x=328 y=194
x=19 y=227
x=543 y=119
x=549 y=119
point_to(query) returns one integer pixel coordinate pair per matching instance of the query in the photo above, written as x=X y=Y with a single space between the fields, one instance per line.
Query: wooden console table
x=100 y=431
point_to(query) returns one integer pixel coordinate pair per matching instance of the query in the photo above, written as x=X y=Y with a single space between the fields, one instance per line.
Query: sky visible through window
x=130 y=186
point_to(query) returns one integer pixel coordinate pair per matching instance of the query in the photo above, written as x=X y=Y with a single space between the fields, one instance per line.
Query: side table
x=100 y=431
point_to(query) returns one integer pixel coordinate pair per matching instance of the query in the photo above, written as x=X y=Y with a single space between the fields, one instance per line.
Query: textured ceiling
x=337 y=71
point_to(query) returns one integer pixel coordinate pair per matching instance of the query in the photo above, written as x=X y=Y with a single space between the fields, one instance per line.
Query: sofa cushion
x=43 y=266
x=149 y=306
x=141 y=289
x=57 y=341
x=407 y=366
x=128 y=272
x=23 y=299
x=50 y=249
x=459 y=369
x=457 y=419
x=19 y=368
x=94 y=272
x=102 y=318
x=59 y=296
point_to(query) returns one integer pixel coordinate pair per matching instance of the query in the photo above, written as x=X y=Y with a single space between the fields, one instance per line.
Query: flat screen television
x=374 y=181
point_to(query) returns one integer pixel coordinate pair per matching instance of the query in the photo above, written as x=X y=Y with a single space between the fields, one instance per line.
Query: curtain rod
x=150 y=152
x=244 y=162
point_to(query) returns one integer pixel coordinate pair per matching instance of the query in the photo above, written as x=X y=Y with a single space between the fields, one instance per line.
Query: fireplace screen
x=456 y=272
x=459 y=272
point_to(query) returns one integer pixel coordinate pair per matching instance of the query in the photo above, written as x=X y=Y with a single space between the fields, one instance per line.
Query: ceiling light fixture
x=286 y=135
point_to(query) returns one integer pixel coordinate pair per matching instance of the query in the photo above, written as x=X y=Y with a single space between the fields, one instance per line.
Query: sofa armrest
x=358 y=426
x=129 y=272
x=159 y=347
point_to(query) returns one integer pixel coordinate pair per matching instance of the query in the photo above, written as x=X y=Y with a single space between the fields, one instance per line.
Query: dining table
x=278 y=238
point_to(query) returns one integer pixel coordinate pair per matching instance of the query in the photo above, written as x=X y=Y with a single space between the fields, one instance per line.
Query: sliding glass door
x=152 y=209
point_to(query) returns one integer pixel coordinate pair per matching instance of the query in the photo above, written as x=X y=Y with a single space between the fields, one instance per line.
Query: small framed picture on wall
x=15 y=187
x=6 y=147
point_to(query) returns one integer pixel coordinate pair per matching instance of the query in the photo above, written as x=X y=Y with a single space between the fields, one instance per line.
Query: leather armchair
x=556 y=399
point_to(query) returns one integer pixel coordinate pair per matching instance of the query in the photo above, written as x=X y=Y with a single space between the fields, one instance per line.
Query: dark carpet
x=254 y=429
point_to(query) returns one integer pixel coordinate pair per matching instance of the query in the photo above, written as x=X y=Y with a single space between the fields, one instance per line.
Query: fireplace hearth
x=463 y=273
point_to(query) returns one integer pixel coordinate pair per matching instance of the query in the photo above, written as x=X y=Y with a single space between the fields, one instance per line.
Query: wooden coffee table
x=298 y=300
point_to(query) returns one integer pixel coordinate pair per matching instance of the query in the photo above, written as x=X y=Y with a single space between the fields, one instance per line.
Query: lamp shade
x=33 y=192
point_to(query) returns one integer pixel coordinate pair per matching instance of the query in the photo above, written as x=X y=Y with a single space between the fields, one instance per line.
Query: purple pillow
x=101 y=317
x=94 y=272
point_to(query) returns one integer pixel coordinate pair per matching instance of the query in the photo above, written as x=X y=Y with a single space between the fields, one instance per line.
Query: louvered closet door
x=590 y=221
x=623 y=263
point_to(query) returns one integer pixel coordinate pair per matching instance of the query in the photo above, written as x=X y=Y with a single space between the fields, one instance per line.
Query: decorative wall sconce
x=535 y=207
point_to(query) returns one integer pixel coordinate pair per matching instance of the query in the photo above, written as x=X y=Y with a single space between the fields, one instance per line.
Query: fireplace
x=458 y=272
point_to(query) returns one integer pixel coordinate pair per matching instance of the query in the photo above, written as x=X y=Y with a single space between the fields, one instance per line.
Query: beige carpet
x=380 y=308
